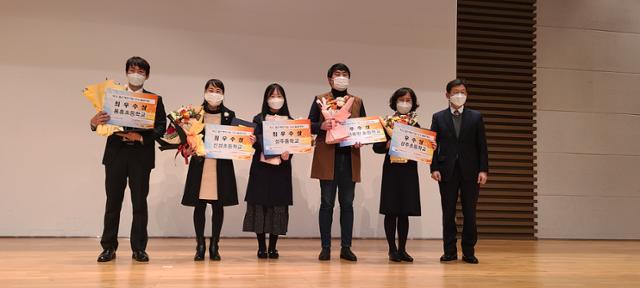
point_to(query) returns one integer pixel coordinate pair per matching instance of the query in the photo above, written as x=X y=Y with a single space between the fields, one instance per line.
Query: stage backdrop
x=51 y=175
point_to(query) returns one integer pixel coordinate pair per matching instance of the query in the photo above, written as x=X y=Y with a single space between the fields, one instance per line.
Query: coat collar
x=225 y=113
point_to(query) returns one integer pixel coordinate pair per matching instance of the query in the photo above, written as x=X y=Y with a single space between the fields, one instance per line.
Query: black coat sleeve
x=434 y=161
x=258 y=133
x=380 y=147
x=314 y=116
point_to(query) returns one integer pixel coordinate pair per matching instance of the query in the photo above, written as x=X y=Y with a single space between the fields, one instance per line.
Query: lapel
x=464 y=121
x=448 y=119
x=225 y=116
x=353 y=108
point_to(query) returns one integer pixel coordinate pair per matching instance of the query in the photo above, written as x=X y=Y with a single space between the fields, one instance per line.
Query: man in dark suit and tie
x=460 y=164
x=129 y=155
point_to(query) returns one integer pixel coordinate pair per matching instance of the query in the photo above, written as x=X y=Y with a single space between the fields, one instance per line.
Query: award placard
x=363 y=130
x=293 y=136
x=128 y=109
x=228 y=142
x=412 y=143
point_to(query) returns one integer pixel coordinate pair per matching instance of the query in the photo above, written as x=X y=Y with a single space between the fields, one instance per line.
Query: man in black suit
x=460 y=163
x=129 y=156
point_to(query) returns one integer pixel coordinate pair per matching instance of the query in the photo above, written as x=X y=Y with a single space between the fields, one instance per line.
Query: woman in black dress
x=211 y=181
x=400 y=193
x=269 y=191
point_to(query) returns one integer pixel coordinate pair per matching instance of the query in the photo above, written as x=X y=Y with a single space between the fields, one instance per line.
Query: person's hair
x=336 y=67
x=284 y=111
x=140 y=62
x=454 y=83
x=401 y=92
x=215 y=83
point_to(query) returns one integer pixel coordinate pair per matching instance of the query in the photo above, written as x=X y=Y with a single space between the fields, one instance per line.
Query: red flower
x=171 y=130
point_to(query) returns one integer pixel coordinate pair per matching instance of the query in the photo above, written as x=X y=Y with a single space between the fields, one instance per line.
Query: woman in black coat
x=269 y=191
x=211 y=181
x=400 y=193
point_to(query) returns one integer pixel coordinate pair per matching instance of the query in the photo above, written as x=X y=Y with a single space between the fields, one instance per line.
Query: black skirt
x=400 y=191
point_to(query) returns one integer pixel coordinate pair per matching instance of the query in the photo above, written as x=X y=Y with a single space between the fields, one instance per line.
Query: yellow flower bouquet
x=95 y=94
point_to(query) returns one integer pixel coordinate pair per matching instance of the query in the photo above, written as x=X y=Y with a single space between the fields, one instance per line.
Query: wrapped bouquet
x=183 y=132
x=336 y=110
x=95 y=93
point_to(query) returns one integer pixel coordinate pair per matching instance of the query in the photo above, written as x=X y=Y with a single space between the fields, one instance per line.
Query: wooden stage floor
x=71 y=262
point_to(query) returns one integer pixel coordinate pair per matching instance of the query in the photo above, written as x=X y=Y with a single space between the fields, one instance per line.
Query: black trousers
x=468 y=191
x=126 y=166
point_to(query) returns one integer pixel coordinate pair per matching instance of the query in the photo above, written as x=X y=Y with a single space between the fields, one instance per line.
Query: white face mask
x=458 y=99
x=340 y=83
x=403 y=107
x=214 y=99
x=136 y=79
x=275 y=103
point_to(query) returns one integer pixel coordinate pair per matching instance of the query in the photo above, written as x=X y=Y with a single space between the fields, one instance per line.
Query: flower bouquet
x=183 y=132
x=408 y=119
x=336 y=110
x=388 y=122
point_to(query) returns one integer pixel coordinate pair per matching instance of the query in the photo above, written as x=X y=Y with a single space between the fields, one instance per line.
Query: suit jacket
x=469 y=149
x=146 y=150
x=227 y=189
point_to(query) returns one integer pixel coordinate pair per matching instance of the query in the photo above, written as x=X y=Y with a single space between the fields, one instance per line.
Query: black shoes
x=110 y=254
x=399 y=256
x=214 y=254
x=394 y=256
x=467 y=259
x=201 y=248
x=404 y=256
x=470 y=259
x=346 y=254
x=107 y=255
x=325 y=254
x=140 y=256
x=447 y=258
x=273 y=254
